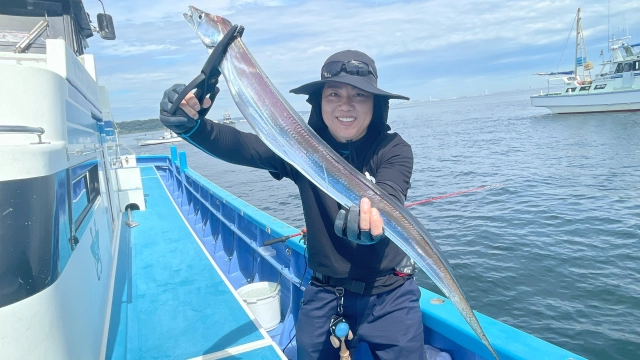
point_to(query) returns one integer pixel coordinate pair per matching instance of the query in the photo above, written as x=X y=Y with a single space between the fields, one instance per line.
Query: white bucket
x=263 y=299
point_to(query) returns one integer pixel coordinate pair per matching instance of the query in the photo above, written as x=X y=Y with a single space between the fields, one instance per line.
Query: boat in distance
x=226 y=119
x=168 y=137
x=111 y=255
x=614 y=87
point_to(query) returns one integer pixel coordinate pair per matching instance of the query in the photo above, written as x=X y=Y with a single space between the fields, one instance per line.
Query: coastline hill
x=138 y=126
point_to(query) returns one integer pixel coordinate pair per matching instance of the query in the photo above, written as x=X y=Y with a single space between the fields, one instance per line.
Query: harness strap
x=348 y=284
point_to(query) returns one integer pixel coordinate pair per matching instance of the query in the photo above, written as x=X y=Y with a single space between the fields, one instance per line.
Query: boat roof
x=63 y=19
x=75 y=8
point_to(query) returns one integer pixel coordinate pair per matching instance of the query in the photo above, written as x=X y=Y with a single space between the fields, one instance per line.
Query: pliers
x=206 y=84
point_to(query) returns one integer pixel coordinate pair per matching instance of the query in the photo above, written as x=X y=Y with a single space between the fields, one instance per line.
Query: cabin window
x=619 y=68
x=636 y=66
x=627 y=67
x=66 y=20
x=34 y=220
x=85 y=189
x=600 y=87
x=571 y=90
x=79 y=196
x=585 y=88
x=628 y=51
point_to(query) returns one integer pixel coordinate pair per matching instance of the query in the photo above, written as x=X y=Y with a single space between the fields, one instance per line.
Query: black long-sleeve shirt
x=384 y=156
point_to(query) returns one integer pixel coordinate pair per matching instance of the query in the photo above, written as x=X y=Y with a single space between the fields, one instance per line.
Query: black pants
x=390 y=323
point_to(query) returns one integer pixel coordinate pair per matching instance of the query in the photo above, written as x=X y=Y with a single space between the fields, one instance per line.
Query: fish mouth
x=190 y=16
x=189 y=19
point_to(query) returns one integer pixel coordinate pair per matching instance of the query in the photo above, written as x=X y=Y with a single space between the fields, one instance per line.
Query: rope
x=566 y=42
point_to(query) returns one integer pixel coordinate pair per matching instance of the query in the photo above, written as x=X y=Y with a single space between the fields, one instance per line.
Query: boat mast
x=575 y=68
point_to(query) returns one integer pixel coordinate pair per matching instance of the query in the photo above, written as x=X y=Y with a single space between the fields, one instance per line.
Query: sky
x=422 y=49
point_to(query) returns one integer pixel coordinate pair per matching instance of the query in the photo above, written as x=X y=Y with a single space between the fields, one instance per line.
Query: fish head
x=210 y=28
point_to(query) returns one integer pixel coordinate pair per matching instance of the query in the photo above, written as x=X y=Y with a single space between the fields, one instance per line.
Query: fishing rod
x=280 y=239
x=452 y=194
x=303 y=232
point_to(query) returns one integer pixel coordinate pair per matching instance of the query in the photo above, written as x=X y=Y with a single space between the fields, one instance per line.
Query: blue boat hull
x=197 y=244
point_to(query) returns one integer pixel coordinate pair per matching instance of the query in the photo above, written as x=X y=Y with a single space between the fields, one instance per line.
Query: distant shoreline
x=152 y=125
x=139 y=126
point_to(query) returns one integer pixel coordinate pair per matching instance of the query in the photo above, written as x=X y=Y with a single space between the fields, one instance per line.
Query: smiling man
x=360 y=279
x=346 y=111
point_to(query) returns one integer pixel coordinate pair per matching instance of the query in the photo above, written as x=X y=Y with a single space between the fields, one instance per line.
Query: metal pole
x=575 y=68
x=130 y=223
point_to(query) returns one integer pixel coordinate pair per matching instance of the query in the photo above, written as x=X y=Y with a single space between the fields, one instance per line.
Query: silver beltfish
x=283 y=130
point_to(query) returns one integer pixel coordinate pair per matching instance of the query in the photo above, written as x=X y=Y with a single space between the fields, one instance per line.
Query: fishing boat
x=168 y=137
x=109 y=255
x=226 y=119
x=615 y=86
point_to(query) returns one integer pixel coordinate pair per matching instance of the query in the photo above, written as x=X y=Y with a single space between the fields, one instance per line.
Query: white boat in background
x=613 y=88
x=168 y=137
x=226 y=119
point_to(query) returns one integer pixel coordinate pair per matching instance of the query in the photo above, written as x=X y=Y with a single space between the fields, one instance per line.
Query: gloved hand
x=181 y=122
x=350 y=225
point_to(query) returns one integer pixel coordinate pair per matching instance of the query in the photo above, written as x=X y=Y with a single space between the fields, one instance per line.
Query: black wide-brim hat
x=367 y=83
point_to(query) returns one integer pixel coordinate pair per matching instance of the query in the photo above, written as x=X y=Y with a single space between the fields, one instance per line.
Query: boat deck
x=170 y=299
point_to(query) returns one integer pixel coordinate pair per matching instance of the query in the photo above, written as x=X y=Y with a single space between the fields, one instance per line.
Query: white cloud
x=414 y=42
x=135 y=49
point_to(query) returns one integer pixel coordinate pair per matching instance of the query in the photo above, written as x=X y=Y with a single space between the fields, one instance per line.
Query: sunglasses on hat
x=351 y=67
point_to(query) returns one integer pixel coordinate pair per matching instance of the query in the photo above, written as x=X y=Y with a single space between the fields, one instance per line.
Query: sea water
x=554 y=252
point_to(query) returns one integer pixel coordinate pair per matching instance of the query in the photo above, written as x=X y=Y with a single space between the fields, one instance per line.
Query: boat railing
x=553 y=81
x=19 y=129
x=116 y=160
x=32 y=36
x=549 y=83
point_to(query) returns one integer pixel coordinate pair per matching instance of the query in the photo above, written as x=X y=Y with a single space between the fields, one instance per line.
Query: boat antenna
x=608 y=24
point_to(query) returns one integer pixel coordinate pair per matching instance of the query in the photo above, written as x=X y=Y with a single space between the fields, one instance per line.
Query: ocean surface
x=554 y=251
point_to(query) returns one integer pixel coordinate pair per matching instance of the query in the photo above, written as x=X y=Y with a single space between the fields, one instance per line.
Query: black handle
x=284 y=238
x=197 y=84
x=206 y=83
x=277 y=240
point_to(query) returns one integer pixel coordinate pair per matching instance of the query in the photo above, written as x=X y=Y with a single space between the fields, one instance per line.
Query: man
x=359 y=275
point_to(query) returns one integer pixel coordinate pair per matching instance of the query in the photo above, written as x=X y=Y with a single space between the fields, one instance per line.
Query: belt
x=346 y=283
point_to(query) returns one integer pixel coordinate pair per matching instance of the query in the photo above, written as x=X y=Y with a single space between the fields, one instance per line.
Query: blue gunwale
x=201 y=202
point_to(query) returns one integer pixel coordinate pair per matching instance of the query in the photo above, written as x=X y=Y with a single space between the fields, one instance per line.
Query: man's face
x=346 y=110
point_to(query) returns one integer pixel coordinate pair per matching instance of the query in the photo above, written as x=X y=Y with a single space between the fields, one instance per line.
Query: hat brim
x=357 y=81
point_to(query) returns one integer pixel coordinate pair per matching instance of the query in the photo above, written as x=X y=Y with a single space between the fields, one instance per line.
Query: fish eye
x=200 y=16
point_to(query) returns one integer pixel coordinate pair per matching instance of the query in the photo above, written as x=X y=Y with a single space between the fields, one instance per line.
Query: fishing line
x=452 y=194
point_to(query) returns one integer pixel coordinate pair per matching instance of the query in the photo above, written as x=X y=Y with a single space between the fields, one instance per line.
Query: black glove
x=347 y=225
x=179 y=122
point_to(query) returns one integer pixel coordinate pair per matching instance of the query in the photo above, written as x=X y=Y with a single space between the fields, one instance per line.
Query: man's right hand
x=185 y=120
x=361 y=224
